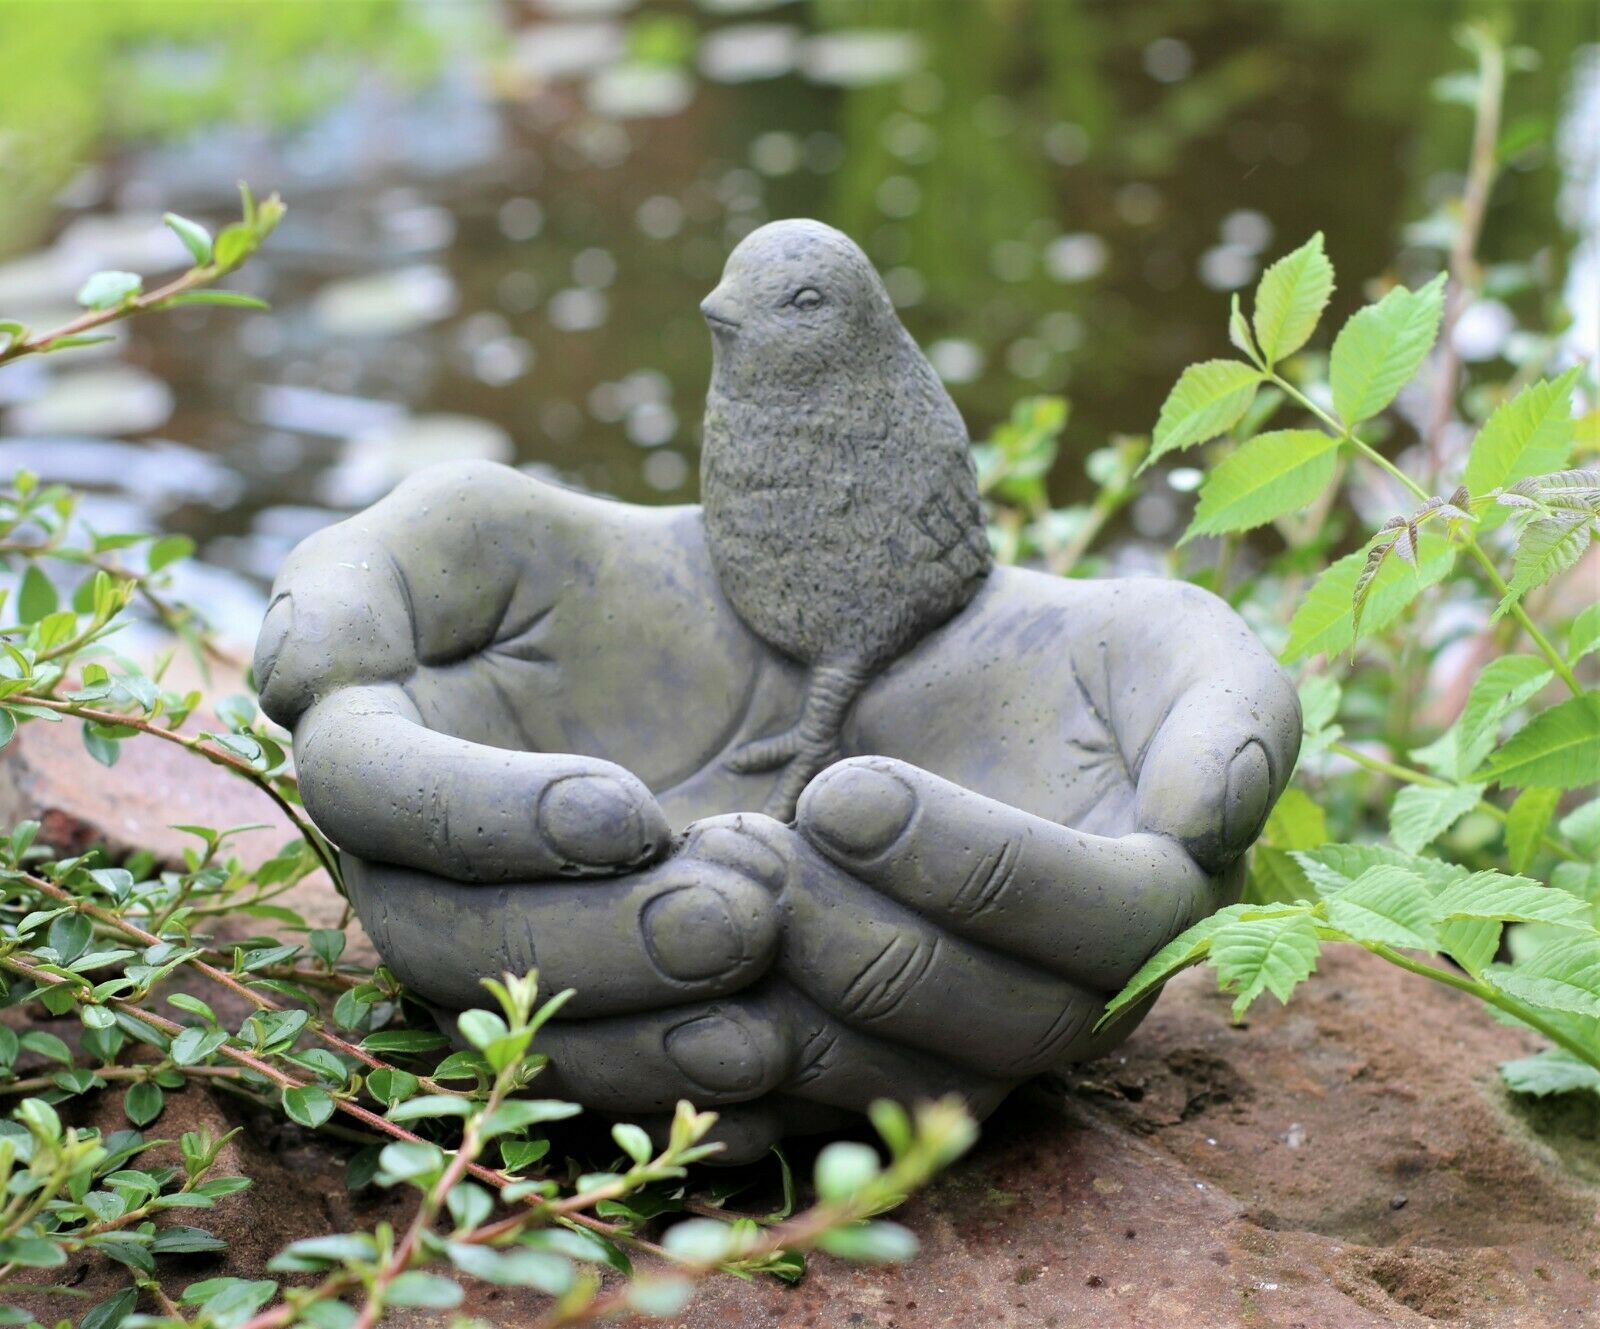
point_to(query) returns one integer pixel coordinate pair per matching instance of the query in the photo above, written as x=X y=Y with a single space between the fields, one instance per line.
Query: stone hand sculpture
x=506 y=696
x=841 y=506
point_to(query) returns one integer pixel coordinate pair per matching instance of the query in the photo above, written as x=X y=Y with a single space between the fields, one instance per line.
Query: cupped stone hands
x=506 y=696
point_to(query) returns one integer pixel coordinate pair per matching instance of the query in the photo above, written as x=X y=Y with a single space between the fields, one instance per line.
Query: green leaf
x=430 y=1105
x=1584 y=635
x=416 y=1288
x=1189 y=947
x=1582 y=827
x=235 y=299
x=548 y=1273
x=1420 y=813
x=315 y=1253
x=520 y=1113
x=8 y=727
x=1325 y=622
x=36 y=596
x=309 y=1106
x=1545 y=549
x=1264 y=478
x=877 y=1243
x=844 y=1167
x=633 y=1142
x=1528 y=435
x=1526 y=821
x=68 y=343
x=143 y=1102
x=403 y=1040
x=1381 y=347
x=1501 y=687
x=659 y=1296
x=1275 y=878
x=1493 y=895
x=1208 y=399
x=1564 y=976
x=1297 y=821
x=1256 y=955
x=186 y=1241
x=107 y=290
x=1320 y=696
x=104 y=750
x=1557 y=749
x=699 y=1241
x=1290 y=299
x=1553 y=1071
x=196 y=239
x=195 y=1045
x=169 y=549
x=1388 y=906
x=111 y=1312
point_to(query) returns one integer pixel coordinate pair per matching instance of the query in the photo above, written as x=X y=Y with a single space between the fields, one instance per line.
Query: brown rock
x=1205 y=1177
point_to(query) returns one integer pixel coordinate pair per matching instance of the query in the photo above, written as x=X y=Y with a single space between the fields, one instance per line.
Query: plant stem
x=1493 y=997
x=1554 y=657
x=1463 y=252
x=216 y=756
x=1408 y=776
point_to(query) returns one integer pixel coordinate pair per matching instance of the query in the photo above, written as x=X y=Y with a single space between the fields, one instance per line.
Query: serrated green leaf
x=1275 y=878
x=1500 y=688
x=1208 y=399
x=1422 y=813
x=1325 y=623
x=1584 y=635
x=1256 y=955
x=1546 y=548
x=1381 y=347
x=1564 y=976
x=1290 y=299
x=1493 y=895
x=1389 y=906
x=1553 y=1071
x=1557 y=749
x=1528 y=435
x=1526 y=822
x=1297 y=821
x=1582 y=827
x=1189 y=947
x=1266 y=477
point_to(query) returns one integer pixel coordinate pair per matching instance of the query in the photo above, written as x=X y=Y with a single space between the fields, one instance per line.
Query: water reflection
x=503 y=217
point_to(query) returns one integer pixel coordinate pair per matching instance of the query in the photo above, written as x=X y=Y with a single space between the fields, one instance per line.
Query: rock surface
x=1351 y=1160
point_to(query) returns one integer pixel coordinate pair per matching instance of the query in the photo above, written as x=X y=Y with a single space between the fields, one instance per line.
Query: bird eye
x=806 y=298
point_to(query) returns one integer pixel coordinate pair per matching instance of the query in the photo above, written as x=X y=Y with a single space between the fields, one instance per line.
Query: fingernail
x=718 y=1054
x=274 y=630
x=691 y=934
x=592 y=819
x=857 y=810
x=1249 y=787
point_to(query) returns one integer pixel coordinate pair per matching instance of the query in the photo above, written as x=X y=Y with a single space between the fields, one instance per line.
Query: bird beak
x=720 y=311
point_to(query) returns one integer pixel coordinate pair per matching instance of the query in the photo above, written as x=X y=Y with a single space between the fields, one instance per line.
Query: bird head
x=799 y=309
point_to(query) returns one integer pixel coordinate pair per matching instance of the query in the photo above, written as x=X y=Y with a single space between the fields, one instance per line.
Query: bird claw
x=766 y=754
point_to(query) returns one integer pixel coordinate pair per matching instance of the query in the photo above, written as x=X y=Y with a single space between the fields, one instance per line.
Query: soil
x=1350 y=1160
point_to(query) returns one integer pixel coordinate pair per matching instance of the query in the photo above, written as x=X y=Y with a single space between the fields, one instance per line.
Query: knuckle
x=1055 y=1043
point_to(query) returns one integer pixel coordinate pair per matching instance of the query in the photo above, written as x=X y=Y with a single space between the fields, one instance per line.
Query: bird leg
x=811 y=743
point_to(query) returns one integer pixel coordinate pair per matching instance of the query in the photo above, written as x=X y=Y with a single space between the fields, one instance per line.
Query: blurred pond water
x=502 y=218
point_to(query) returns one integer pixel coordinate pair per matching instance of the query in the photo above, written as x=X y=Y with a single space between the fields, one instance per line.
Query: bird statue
x=841 y=504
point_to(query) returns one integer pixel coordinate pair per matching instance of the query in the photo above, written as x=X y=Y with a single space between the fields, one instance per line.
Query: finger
x=1082 y=906
x=840 y=1067
x=422 y=576
x=730 y=1051
x=685 y=930
x=382 y=786
x=881 y=969
x=1219 y=760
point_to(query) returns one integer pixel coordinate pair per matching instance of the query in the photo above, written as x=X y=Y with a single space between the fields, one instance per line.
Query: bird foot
x=767 y=754
x=796 y=756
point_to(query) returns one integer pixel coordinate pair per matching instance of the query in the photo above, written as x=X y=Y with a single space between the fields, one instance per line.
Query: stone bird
x=841 y=504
